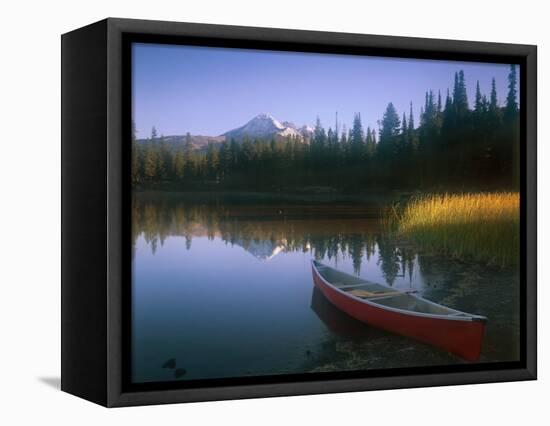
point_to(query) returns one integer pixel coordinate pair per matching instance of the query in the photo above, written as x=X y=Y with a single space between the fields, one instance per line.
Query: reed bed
x=479 y=226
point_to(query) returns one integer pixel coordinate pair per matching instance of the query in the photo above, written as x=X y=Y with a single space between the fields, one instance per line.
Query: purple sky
x=207 y=91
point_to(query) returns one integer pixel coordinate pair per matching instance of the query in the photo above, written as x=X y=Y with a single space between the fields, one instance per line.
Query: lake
x=225 y=289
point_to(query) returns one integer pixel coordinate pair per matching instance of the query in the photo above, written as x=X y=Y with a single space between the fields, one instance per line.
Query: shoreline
x=373 y=198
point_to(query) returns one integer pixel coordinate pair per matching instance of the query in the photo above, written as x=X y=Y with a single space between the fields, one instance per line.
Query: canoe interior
x=342 y=280
x=408 y=302
x=403 y=301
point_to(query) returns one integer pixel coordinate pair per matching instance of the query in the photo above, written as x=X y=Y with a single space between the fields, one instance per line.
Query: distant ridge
x=263 y=126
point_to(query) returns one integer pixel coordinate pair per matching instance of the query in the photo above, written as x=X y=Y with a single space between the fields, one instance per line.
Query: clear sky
x=208 y=91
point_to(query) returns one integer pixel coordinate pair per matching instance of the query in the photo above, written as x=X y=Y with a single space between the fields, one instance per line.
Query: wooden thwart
x=367 y=294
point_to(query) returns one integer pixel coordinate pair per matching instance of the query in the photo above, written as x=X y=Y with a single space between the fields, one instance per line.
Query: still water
x=225 y=290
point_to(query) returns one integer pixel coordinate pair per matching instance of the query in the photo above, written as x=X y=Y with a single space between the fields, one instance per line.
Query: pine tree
x=259 y=150
x=344 y=137
x=318 y=144
x=225 y=160
x=493 y=104
x=235 y=151
x=189 y=167
x=178 y=164
x=370 y=143
x=484 y=105
x=460 y=96
x=494 y=112
x=357 y=137
x=511 y=140
x=390 y=123
x=411 y=122
x=511 y=100
x=289 y=151
x=211 y=160
x=463 y=100
x=389 y=131
x=165 y=159
x=429 y=114
x=330 y=140
x=456 y=91
x=150 y=162
x=272 y=149
x=247 y=150
x=136 y=157
x=404 y=143
x=404 y=129
x=478 y=102
x=317 y=132
x=448 y=112
x=411 y=134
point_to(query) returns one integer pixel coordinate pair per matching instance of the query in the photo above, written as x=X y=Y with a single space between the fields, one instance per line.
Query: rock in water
x=180 y=372
x=171 y=363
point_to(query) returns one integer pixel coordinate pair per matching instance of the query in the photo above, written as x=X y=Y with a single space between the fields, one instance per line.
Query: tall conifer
x=511 y=99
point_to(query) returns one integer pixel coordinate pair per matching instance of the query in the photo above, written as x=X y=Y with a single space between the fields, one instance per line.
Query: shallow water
x=226 y=291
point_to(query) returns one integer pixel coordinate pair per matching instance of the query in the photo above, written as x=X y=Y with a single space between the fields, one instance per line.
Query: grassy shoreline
x=478 y=226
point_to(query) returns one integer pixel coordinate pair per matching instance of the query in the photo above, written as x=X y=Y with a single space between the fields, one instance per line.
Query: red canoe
x=402 y=312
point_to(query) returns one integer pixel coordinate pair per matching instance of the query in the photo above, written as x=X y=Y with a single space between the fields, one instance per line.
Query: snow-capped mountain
x=265 y=126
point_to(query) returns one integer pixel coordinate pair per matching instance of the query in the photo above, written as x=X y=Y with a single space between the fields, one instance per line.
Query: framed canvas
x=253 y=212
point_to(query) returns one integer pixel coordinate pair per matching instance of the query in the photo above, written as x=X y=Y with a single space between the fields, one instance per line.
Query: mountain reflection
x=327 y=232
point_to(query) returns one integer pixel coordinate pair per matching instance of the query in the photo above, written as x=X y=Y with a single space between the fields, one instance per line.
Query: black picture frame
x=96 y=192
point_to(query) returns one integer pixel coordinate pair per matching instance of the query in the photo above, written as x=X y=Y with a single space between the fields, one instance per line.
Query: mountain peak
x=264 y=116
x=264 y=121
x=264 y=126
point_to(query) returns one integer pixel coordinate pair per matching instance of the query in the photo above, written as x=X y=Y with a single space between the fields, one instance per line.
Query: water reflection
x=328 y=232
x=337 y=321
x=225 y=290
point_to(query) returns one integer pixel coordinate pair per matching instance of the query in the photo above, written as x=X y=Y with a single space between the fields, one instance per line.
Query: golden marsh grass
x=479 y=226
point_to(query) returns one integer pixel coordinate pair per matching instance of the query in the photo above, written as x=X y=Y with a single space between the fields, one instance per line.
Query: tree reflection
x=327 y=233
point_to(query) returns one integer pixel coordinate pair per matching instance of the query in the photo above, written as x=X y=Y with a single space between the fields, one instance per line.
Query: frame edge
x=116 y=397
